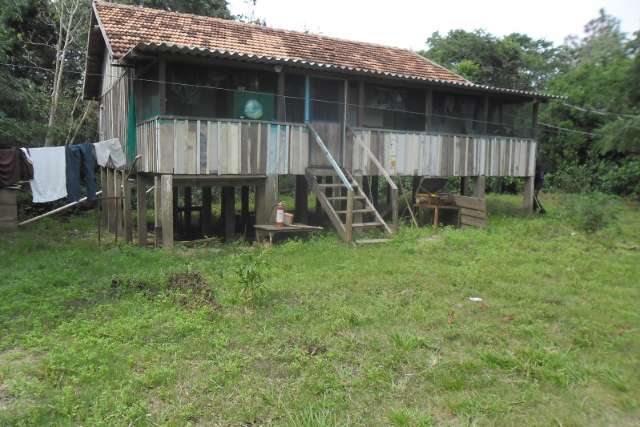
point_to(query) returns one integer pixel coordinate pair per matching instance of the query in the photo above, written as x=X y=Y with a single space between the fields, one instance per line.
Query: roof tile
x=129 y=26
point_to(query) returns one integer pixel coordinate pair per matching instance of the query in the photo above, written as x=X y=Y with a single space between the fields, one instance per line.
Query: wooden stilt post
x=142 y=211
x=176 y=212
x=527 y=202
x=414 y=189
x=167 y=210
x=244 y=207
x=205 y=215
x=374 y=191
x=110 y=202
x=157 y=210
x=464 y=185
x=266 y=199
x=117 y=184
x=188 y=207
x=478 y=189
x=103 y=205
x=228 y=209
x=302 y=200
x=126 y=208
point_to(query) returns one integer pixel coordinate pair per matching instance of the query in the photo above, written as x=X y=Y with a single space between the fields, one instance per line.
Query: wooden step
x=371 y=241
x=363 y=225
x=356 y=211
x=319 y=171
x=337 y=185
x=333 y=198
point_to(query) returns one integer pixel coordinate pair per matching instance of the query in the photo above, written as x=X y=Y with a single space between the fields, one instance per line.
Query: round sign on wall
x=253 y=109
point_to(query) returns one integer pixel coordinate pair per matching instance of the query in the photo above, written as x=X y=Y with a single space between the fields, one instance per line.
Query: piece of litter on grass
x=475 y=299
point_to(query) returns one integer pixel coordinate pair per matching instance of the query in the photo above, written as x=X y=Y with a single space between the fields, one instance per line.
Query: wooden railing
x=392 y=185
x=347 y=227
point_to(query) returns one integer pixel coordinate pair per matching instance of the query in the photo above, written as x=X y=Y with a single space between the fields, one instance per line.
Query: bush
x=591 y=212
x=250 y=278
x=570 y=178
x=622 y=179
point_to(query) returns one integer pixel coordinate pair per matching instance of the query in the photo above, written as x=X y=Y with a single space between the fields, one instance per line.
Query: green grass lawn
x=318 y=333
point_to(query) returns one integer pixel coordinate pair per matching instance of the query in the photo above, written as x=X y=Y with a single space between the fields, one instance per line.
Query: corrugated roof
x=130 y=29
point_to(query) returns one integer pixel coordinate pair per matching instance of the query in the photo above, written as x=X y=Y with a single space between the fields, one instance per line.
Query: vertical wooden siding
x=222 y=147
x=423 y=154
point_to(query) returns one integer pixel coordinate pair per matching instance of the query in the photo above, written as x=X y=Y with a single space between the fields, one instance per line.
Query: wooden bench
x=268 y=230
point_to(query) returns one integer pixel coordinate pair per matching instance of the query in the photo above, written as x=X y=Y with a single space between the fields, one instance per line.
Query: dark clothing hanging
x=14 y=167
x=80 y=157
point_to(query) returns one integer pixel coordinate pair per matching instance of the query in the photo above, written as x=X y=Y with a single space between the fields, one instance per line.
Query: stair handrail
x=330 y=158
x=385 y=174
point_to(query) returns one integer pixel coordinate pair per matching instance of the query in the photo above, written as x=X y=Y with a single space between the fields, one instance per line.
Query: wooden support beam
x=374 y=191
x=177 y=223
x=157 y=210
x=415 y=181
x=428 y=110
x=464 y=185
x=266 y=198
x=162 y=85
x=244 y=208
x=228 y=208
x=127 y=220
x=281 y=101
x=167 y=210
x=141 y=211
x=188 y=208
x=118 y=193
x=302 y=200
x=527 y=201
x=534 y=119
x=485 y=116
x=479 y=187
x=361 y=103
x=307 y=99
x=110 y=202
x=205 y=214
x=103 y=205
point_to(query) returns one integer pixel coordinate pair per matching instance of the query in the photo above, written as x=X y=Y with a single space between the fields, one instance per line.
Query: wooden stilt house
x=207 y=102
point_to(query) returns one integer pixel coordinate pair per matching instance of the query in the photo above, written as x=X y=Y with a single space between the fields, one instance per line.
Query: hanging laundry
x=49 y=174
x=110 y=149
x=80 y=158
x=14 y=167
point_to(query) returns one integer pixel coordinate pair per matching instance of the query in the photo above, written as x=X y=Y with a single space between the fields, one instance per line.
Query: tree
x=515 y=61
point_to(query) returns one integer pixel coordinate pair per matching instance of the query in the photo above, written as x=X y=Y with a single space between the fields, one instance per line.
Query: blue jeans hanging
x=80 y=157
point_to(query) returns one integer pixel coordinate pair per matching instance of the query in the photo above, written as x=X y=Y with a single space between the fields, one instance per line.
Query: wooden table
x=436 y=212
x=264 y=230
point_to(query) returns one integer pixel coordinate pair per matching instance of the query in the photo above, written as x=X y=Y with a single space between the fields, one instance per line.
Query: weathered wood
x=472 y=221
x=167 y=210
x=205 y=213
x=375 y=189
x=470 y=203
x=188 y=208
x=110 y=201
x=141 y=211
x=8 y=209
x=244 y=207
x=348 y=226
x=527 y=200
x=157 y=210
x=474 y=213
x=101 y=200
x=126 y=207
x=281 y=99
x=479 y=187
x=302 y=200
x=228 y=210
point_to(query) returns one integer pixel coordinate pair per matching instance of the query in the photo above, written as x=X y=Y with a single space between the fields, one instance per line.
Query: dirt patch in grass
x=15 y=363
x=191 y=290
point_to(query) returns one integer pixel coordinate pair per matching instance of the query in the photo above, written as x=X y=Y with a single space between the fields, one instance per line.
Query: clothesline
x=55 y=172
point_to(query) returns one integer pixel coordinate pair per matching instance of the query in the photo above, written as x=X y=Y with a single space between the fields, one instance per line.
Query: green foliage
x=513 y=61
x=250 y=278
x=217 y=8
x=591 y=212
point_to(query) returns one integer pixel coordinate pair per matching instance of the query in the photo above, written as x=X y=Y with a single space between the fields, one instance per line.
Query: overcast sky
x=408 y=23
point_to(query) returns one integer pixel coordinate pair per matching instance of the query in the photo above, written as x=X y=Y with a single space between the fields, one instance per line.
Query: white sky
x=408 y=23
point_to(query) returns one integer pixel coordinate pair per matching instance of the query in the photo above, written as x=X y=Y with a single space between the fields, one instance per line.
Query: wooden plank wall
x=222 y=147
x=114 y=102
x=424 y=154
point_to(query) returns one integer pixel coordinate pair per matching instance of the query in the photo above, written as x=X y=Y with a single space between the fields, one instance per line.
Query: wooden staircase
x=343 y=200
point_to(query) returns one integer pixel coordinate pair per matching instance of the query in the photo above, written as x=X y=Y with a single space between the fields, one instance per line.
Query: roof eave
x=145 y=48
